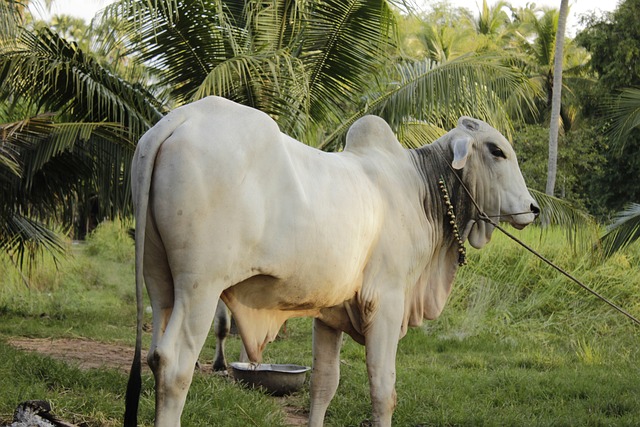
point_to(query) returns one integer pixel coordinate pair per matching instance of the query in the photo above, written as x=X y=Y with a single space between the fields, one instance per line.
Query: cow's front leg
x=381 y=344
x=326 y=370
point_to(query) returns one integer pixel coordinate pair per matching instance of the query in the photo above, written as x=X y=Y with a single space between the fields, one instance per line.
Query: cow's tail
x=141 y=173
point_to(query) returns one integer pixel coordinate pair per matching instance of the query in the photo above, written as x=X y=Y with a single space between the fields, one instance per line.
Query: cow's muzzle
x=521 y=219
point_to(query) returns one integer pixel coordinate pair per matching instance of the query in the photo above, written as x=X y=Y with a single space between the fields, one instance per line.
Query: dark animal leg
x=221 y=326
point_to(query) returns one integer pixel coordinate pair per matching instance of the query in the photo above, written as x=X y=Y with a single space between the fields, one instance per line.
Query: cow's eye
x=496 y=151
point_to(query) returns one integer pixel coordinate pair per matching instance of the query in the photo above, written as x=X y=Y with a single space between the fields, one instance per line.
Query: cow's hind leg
x=159 y=283
x=221 y=327
x=326 y=370
x=178 y=349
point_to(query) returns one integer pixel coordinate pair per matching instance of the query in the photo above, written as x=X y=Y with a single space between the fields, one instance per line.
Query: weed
x=110 y=240
x=587 y=353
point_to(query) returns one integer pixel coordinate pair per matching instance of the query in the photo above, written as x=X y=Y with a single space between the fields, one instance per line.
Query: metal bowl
x=275 y=379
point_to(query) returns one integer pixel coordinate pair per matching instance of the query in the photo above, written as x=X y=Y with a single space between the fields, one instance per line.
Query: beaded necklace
x=462 y=253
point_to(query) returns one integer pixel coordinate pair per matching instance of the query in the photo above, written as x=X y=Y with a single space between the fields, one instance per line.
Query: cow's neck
x=433 y=164
x=435 y=282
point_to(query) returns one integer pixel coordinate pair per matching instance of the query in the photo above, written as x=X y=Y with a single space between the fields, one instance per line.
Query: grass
x=518 y=344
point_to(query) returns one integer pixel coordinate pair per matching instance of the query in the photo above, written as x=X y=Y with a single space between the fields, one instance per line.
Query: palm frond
x=438 y=94
x=316 y=57
x=183 y=43
x=57 y=76
x=345 y=44
x=10 y=19
x=22 y=238
x=9 y=156
x=578 y=224
x=474 y=85
x=275 y=83
x=64 y=167
x=275 y=25
x=415 y=134
x=46 y=139
x=624 y=111
x=623 y=231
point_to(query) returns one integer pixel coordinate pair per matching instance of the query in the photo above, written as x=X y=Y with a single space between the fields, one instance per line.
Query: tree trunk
x=556 y=98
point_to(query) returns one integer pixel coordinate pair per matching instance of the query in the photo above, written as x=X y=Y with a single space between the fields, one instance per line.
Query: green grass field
x=517 y=345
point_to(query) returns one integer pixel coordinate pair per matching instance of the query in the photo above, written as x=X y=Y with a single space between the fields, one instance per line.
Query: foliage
x=581 y=159
x=420 y=94
x=534 y=46
x=55 y=75
x=57 y=161
x=626 y=124
x=440 y=34
x=614 y=44
x=445 y=32
x=274 y=58
x=578 y=225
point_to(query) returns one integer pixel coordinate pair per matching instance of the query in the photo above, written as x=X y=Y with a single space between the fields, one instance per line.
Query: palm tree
x=56 y=163
x=64 y=140
x=556 y=97
x=312 y=66
x=442 y=34
x=533 y=49
x=492 y=26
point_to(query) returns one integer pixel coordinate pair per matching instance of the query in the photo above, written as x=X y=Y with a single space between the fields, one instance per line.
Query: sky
x=576 y=7
x=87 y=9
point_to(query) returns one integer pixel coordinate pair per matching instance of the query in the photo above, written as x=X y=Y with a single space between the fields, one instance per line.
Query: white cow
x=229 y=207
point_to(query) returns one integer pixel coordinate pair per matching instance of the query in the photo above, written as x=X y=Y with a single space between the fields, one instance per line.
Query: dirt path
x=87 y=354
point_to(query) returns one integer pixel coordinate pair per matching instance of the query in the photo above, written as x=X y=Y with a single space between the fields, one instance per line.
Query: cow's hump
x=372 y=132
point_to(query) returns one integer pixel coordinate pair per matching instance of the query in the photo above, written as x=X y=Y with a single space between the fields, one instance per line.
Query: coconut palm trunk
x=556 y=98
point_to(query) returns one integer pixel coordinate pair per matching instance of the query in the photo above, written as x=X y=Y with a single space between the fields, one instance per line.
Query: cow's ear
x=461 y=145
x=469 y=124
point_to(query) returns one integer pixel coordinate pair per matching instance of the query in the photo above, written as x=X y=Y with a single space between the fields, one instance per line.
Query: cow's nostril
x=535 y=209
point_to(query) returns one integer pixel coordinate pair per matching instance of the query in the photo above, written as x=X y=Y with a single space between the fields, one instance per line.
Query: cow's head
x=491 y=172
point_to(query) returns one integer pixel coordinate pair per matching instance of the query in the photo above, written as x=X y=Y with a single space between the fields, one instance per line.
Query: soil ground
x=87 y=354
